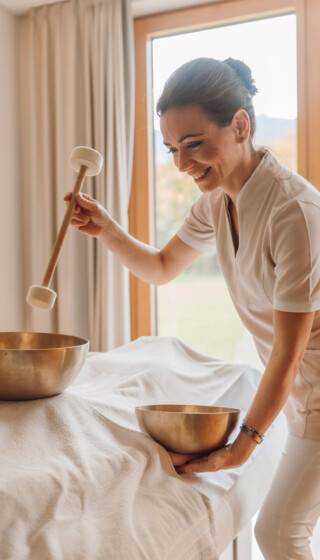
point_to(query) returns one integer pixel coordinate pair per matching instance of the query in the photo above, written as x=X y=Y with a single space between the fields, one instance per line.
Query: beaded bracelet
x=252 y=433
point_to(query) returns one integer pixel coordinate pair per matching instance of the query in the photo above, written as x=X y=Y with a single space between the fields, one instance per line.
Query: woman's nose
x=184 y=162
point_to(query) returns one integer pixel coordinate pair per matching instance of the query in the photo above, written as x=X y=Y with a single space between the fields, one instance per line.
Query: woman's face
x=211 y=155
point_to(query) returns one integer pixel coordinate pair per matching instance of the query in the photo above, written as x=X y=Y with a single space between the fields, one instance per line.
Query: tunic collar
x=252 y=195
x=255 y=187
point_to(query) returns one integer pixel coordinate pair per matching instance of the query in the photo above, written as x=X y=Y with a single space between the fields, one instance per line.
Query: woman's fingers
x=88 y=216
x=87 y=197
x=80 y=197
x=87 y=203
x=223 y=458
x=83 y=203
x=198 y=465
x=67 y=198
x=180 y=459
x=75 y=220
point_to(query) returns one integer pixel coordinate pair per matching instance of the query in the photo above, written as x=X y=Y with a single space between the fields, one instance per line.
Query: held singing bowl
x=188 y=428
x=37 y=365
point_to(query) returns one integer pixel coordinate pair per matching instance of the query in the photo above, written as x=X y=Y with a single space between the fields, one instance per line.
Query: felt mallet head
x=40 y=296
x=86 y=161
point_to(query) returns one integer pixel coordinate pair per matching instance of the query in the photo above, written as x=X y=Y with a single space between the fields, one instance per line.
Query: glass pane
x=196 y=307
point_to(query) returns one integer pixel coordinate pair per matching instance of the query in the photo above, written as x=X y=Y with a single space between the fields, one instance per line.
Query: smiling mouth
x=201 y=175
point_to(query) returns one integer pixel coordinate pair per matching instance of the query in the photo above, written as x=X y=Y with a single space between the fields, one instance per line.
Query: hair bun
x=244 y=72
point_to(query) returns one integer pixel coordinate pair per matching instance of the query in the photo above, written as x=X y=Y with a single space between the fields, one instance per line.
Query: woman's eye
x=188 y=147
x=194 y=145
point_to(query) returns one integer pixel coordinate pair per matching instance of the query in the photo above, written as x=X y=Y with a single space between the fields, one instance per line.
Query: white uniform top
x=276 y=266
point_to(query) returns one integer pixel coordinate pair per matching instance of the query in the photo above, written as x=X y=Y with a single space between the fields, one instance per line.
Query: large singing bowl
x=37 y=365
x=188 y=428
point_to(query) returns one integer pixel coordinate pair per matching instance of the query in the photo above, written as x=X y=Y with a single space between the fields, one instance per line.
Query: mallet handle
x=63 y=228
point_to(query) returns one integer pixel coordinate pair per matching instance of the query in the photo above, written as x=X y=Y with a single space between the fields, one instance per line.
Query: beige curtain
x=76 y=88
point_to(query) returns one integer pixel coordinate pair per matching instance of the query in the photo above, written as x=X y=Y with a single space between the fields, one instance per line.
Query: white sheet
x=78 y=481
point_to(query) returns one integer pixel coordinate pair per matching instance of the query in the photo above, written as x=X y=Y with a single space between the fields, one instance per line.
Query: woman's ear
x=241 y=125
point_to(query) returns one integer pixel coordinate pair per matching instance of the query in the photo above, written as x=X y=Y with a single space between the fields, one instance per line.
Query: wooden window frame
x=141 y=208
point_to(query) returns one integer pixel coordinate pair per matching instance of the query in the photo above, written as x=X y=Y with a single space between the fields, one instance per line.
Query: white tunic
x=276 y=266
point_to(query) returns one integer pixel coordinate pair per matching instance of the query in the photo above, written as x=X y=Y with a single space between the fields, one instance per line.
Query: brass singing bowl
x=37 y=365
x=188 y=428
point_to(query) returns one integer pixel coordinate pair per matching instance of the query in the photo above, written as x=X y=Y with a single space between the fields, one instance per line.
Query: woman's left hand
x=227 y=457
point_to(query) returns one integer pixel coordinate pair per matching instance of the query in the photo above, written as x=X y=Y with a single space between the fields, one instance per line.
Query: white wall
x=11 y=297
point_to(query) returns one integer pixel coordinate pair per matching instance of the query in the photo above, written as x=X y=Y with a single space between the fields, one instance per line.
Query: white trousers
x=292 y=507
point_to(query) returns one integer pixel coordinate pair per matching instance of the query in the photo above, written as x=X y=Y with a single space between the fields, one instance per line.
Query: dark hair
x=220 y=88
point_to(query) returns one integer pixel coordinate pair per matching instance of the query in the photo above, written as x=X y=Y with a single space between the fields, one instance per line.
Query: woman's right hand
x=88 y=215
x=143 y=261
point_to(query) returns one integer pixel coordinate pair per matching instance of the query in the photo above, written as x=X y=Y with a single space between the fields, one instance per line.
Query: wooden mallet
x=87 y=162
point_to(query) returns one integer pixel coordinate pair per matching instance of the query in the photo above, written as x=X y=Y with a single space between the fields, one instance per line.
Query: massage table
x=80 y=481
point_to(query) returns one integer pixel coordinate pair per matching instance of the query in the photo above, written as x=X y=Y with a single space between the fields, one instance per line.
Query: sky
x=267 y=46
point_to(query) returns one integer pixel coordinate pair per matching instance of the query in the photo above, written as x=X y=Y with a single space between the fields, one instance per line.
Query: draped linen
x=76 y=70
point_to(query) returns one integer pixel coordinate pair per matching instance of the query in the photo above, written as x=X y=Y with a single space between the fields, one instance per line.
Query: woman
x=264 y=222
